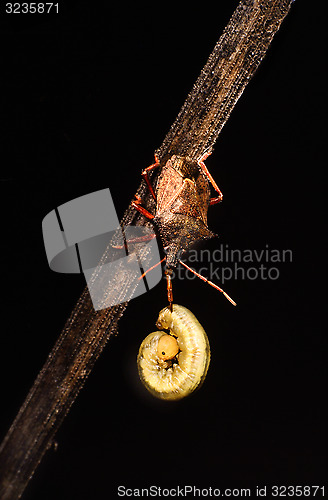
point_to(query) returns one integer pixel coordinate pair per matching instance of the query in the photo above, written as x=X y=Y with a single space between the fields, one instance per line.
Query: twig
x=232 y=63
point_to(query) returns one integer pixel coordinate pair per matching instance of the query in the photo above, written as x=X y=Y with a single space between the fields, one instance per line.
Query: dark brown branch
x=233 y=61
x=223 y=79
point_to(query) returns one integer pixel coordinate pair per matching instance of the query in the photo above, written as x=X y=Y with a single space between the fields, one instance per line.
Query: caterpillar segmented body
x=172 y=365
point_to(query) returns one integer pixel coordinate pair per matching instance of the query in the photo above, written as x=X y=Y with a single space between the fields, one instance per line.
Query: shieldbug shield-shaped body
x=182 y=196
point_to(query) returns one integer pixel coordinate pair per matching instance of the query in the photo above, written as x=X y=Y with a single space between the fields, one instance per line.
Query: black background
x=87 y=96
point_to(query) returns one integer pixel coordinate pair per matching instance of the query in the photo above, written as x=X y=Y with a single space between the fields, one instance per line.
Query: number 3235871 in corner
x=31 y=8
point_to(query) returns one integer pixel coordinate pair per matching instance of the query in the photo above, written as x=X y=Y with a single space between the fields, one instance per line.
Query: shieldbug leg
x=144 y=174
x=136 y=204
x=202 y=165
x=151 y=268
x=138 y=239
x=209 y=282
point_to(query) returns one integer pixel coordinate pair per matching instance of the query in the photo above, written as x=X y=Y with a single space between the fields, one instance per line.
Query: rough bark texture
x=234 y=60
x=232 y=63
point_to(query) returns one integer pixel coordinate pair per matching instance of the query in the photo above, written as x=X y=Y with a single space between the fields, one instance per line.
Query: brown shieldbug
x=182 y=197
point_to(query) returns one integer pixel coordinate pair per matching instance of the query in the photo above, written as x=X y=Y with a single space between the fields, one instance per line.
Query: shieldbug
x=182 y=197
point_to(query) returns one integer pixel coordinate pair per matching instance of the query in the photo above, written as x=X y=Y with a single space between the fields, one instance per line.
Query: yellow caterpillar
x=172 y=365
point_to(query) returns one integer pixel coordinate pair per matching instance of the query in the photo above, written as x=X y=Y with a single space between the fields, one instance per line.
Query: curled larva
x=172 y=365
